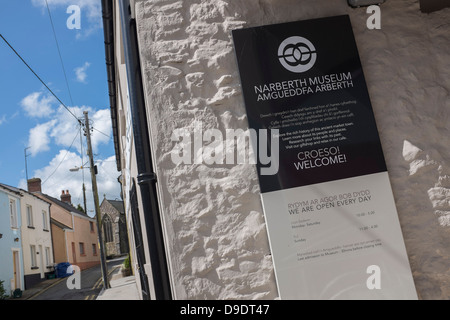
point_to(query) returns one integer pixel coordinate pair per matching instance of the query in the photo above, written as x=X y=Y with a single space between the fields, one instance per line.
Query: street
x=91 y=284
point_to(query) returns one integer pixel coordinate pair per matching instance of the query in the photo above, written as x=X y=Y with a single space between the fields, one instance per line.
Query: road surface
x=90 y=285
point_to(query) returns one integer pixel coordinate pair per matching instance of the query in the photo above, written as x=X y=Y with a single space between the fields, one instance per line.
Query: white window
x=13 y=213
x=30 y=216
x=47 y=256
x=44 y=220
x=33 y=256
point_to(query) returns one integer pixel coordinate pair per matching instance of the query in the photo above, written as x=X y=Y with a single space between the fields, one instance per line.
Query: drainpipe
x=146 y=177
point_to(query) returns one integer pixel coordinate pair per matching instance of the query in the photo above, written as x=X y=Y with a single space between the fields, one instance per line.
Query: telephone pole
x=96 y=203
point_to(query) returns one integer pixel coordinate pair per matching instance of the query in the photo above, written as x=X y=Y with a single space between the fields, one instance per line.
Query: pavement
x=122 y=288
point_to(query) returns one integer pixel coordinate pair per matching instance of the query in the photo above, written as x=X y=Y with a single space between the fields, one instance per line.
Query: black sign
x=305 y=79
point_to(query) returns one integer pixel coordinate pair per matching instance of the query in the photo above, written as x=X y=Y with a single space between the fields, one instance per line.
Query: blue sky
x=30 y=117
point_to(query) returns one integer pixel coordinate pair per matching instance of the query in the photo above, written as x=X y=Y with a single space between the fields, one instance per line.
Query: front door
x=41 y=262
x=16 y=270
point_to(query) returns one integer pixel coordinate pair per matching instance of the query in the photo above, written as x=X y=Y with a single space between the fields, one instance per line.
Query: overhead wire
x=51 y=91
x=68 y=150
x=59 y=53
x=39 y=78
x=101 y=132
x=62 y=62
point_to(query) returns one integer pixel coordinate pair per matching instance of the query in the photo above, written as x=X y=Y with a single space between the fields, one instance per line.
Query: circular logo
x=297 y=54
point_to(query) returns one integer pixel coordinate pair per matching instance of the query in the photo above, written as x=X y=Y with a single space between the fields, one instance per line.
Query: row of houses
x=38 y=231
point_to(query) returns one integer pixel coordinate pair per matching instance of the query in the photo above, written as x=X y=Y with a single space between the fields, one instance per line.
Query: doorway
x=16 y=269
x=41 y=262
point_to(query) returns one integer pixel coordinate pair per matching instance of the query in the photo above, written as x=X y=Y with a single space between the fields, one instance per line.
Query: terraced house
x=36 y=238
x=11 y=263
x=74 y=232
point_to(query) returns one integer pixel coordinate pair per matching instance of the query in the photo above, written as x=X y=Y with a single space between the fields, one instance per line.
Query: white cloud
x=102 y=127
x=39 y=140
x=2 y=119
x=64 y=128
x=80 y=72
x=56 y=176
x=38 y=105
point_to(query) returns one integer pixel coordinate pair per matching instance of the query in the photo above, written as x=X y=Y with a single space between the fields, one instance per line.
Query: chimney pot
x=66 y=197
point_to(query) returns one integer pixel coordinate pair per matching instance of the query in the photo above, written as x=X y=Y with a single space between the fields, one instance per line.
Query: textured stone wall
x=119 y=245
x=214 y=224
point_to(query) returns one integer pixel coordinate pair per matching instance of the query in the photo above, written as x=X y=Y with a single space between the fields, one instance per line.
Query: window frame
x=33 y=256
x=30 y=219
x=81 y=248
x=14 y=219
x=44 y=221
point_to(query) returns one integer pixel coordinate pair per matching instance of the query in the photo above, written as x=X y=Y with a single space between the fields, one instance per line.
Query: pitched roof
x=65 y=205
x=118 y=205
x=21 y=191
x=11 y=189
x=60 y=224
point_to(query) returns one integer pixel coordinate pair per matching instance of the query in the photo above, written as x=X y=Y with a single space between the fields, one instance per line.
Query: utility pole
x=84 y=198
x=82 y=172
x=96 y=203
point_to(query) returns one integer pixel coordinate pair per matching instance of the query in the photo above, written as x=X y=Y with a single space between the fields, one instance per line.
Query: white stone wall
x=213 y=219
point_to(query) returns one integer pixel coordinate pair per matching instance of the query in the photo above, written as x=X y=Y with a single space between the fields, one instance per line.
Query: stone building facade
x=114 y=227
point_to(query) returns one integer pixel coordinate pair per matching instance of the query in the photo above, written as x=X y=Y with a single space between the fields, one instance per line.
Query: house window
x=82 y=253
x=91 y=225
x=13 y=213
x=47 y=256
x=33 y=257
x=44 y=220
x=94 y=249
x=30 y=223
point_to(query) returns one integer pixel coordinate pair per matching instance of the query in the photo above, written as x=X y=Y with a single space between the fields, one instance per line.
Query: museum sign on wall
x=331 y=216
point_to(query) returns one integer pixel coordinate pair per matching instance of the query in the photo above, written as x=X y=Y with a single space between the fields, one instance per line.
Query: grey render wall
x=214 y=225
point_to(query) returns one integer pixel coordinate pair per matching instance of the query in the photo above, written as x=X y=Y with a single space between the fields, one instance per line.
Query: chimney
x=66 y=197
x=34 y=185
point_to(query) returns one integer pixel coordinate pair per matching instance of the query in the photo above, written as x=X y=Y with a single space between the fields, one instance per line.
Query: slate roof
x=117 y=204
x=20 y=191
x=11 y=189
x=65 y=205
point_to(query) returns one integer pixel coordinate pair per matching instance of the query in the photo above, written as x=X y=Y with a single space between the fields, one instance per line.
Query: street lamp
x=84 y=188
x=76 y=169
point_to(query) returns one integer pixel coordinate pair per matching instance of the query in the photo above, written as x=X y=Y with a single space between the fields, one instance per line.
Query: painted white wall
x=213 y=219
